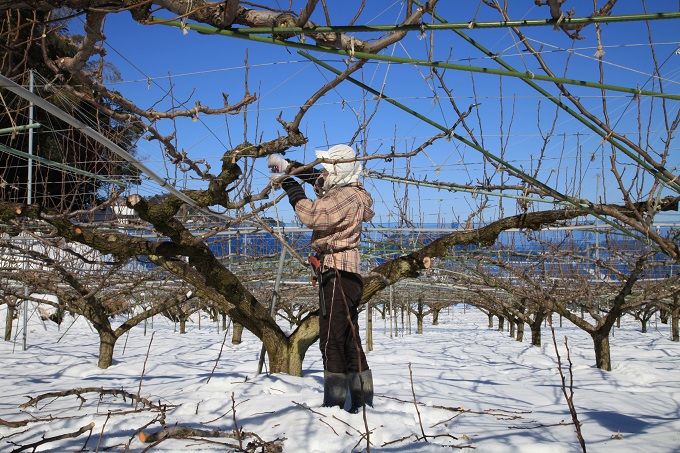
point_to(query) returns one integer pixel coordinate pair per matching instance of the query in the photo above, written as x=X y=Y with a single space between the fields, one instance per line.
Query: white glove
x=277 y=164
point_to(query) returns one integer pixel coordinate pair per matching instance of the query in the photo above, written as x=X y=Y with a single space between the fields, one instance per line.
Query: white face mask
x=342 y=174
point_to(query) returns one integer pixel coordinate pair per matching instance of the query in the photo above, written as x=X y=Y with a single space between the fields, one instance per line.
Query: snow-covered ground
x=475 y=387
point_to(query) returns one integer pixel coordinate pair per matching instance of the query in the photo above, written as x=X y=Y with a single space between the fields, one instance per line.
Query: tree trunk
x=284 y=359
x=286 y=356
x=11 y=309
x=435 y=317
x=511 y=324
x=536 y=331
x=237 y=335
x=643 y=321
x=490 y=321
x=212 y=313
x=107 y=341
x=182 y=325
x=286 y=353
x=602 y=351
x=501 y=324
x=520 y=331
x=419 y=317
x=675 y=323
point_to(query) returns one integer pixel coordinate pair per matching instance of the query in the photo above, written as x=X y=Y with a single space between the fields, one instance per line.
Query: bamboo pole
x=422 y=27
x=450 y=188
x=528 y=178
x=670 y=182
x=20 y=128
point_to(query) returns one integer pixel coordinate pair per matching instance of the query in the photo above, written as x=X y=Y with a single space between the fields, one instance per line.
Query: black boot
x=334 y=389
x=361 y=396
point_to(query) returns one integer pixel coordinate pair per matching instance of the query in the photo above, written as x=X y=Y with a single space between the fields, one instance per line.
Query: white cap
x=341 y=173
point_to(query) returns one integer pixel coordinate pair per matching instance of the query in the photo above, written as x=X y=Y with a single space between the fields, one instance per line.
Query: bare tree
x=179 y=250
x=85 y=284
x=11 y=301
x=551 y=278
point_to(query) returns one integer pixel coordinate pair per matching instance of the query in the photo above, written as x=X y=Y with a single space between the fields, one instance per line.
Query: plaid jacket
x=336 y=220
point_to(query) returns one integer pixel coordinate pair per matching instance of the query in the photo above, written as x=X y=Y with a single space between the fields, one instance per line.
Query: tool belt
x=316 y=261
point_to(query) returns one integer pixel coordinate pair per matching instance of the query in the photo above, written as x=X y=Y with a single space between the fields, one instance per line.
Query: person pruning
x=336 y=218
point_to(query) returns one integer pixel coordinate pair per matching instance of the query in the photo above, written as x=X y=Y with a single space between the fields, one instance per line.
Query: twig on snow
x=141 y=378
x=329 y=425
x=101 y=434
x=568 y=395
x=20 y=423
x=236 y=428
x=185 y=432
x=304 y=406
x=46 y=440
x=79 y=391
x=218 y=355
x=415 y=403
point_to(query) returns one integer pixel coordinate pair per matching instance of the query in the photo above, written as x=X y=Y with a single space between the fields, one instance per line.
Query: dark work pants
x=340 y=349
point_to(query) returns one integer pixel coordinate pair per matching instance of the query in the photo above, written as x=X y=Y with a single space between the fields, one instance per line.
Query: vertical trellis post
x=272 y=307
x=29 y=200
x=391 y=310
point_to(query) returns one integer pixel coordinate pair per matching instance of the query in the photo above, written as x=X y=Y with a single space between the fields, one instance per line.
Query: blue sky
x=203 y=67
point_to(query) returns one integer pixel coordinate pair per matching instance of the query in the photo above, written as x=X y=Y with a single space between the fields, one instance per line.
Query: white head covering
x=342 y=173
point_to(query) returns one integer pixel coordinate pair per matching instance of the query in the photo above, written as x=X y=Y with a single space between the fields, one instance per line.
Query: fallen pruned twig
x=220 y=354
x=236 y=429
x=184 y=432
x=80 y=391
x=197 y=434
x=329 y=425
x=569 y=395
x=20 y=423
x=493 y=412
x=46 y=440
x=415 y=403
x=304 y=406
x=141 y=378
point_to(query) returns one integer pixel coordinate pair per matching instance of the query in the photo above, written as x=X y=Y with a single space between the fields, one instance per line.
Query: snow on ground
x=475 y=387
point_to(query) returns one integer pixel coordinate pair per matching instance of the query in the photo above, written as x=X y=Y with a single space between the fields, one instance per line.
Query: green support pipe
x=362 y=55
x=456 y=25
x=19 y=128
x=530 y=179
x=401 y=60
x=460 y=138
x=377 y=93
x=60 y=166
x=670 y=182
x=450 y=188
